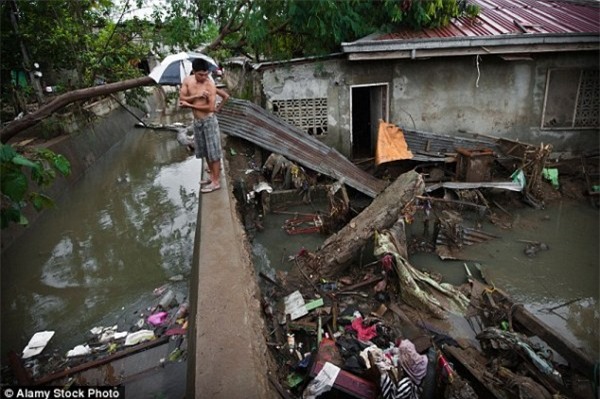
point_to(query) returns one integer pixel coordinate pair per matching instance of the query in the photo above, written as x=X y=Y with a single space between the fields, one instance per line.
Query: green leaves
x=17 y=171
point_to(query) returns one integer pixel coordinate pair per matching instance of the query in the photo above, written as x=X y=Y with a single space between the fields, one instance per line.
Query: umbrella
x=175 y=67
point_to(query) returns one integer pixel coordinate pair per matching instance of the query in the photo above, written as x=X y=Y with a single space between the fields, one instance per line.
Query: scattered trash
x=79 y=350
x=37 y=343
x=168 y=300
x=295 y=306
x=158 y=318
x=139 y=336
x=551 y=174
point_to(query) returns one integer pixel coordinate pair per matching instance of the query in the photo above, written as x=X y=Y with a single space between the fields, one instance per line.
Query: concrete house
x=526 y=70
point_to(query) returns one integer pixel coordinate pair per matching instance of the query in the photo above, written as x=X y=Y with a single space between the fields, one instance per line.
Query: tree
x=17 y=170
x=83 y=46
x=73 y=41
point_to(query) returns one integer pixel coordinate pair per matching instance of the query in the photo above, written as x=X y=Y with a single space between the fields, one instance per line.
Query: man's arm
x=209 y=94
x=203 y=107
x=184 y=91
x=224 y=97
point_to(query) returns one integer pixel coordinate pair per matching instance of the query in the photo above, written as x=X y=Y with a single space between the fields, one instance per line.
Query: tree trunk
x=339 y=250
x=15 y=127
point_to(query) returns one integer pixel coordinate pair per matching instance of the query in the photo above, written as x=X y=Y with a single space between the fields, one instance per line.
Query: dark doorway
x=369 y=105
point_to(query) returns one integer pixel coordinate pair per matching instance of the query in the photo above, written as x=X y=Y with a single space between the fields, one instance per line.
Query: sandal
x=210 y=188
x=204 y=182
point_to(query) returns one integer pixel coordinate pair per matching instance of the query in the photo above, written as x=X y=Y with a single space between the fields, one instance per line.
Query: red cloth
x=364 y=333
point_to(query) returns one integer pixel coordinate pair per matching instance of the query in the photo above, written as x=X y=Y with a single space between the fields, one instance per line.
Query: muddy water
x=126 y=228
x=567 y=271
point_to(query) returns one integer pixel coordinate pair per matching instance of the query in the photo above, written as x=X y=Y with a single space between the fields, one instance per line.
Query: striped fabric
x=404 y=389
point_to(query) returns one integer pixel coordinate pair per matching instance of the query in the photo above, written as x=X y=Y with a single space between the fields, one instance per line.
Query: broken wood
x=474 y=362
x=361 y=284
x=562 y=305
x=480 y=208
x=340 y=249
x=578 y=360
x=48 y=379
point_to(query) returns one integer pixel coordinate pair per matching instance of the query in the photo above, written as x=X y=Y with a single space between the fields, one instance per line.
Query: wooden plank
x=577 y=359
x=96 y=363
x=475 y=365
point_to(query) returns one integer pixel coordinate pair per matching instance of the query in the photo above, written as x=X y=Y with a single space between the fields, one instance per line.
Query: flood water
x=125 y=229
x=568 y=271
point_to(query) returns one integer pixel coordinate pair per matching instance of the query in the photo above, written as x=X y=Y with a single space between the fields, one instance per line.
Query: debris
x=553 y=308
x=343 y=380
x=295 y=306
x=391 y=144
x=157 y=319
x=551 y=174
x=168 y=300
x=474 y=165
x=340 y=249
x=37 y=343
x=139 y=336
x=322 y=382
x=79 y=350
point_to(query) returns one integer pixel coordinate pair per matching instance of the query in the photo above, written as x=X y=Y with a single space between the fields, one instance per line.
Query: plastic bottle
x=291 y=341
x=182 y=311
x=167 y=300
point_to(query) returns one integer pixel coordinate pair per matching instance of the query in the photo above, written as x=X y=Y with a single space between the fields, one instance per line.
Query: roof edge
x=361 y=46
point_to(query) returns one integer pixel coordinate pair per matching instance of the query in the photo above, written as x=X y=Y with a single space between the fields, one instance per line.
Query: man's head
x=200 y=68
x=200 y=65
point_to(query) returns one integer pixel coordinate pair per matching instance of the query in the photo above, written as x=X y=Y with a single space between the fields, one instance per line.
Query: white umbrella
x=175 y=67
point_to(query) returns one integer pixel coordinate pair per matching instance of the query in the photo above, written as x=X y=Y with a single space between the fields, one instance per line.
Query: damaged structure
x=334 y=326
x=521 y=70
x=459 y=107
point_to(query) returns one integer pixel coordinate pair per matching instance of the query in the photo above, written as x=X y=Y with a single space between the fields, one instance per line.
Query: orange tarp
x=391 y=145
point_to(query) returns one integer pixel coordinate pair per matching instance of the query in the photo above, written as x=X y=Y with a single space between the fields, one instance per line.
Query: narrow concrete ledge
x=227 y=352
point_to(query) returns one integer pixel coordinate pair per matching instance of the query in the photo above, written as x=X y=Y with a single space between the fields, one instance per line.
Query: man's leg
x=215 y=172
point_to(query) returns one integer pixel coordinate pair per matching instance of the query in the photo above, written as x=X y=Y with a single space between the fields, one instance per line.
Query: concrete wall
x=88 y=141
x=453 y=95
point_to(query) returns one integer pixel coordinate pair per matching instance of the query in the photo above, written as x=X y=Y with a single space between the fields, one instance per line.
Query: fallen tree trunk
x=17 y=126
x=339 y=250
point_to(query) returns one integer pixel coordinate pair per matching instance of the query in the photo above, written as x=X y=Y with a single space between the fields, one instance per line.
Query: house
x=524 y=70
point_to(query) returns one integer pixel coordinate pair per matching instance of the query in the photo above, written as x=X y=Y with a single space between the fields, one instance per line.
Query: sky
x=144 y=12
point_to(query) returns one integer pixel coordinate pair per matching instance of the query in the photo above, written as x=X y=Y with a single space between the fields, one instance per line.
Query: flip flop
x=204 y=182
x=210 y=188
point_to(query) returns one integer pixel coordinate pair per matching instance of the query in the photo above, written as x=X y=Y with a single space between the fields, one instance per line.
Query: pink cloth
x=414 y=364
x=157 y=318
x=364 y=333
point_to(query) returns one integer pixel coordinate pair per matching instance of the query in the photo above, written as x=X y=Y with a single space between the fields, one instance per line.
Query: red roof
x=506 y=17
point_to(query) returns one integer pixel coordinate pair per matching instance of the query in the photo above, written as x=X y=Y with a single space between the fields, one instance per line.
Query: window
x=572 y=99
x=308 y=114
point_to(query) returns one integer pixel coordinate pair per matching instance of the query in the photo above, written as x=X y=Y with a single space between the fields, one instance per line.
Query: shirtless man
x=199 y=93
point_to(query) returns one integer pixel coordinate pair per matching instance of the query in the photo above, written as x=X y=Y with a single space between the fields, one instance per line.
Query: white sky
x=144 y=12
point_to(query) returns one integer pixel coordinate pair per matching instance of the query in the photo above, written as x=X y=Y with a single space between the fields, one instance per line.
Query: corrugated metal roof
x=241 y=118
x=427 y=146
x=503 y=17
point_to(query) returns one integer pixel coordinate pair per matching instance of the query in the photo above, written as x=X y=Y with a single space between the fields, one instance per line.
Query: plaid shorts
x=207 y=138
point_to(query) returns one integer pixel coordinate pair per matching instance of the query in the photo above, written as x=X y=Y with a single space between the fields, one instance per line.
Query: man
x=199 y=93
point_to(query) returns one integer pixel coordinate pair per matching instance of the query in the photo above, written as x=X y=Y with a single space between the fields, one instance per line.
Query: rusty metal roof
x=427 y=146
x=530 y=24
x=504 y=17
x=241 y=118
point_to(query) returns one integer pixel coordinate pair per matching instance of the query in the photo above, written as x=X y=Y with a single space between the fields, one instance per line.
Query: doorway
x=368 y=105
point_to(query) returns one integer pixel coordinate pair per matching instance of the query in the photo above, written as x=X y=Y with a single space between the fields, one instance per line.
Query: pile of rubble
x=385 y=328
